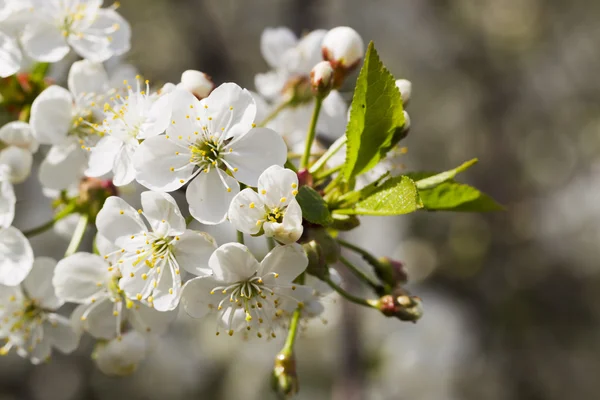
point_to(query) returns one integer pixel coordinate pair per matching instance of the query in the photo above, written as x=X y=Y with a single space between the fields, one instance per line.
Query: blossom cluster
x=242 y=158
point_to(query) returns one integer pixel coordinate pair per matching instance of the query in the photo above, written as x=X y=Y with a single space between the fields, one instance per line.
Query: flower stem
x=335 y=147
x=348 y=296
x=240 y=237
x=312 y=130
x=288 y=347
x=361 y=275
x=329 y=172
x=189 y=220
x=368 y=257
x=77 y=235
x=68 y=210
x=274 y=113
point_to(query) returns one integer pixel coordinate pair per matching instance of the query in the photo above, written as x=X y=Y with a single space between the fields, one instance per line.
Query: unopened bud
x=305 y=178
x=93 y=192
x=343 y=47
x=329 y=246
x=196 y=82
x=391 y=271
x=321 y=78
x=284 y=379
x=406 y=126
x=317 y=265
x=405 y=88
x=401 y=306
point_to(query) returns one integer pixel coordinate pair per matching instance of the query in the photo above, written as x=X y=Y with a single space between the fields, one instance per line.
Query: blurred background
x=511 y=300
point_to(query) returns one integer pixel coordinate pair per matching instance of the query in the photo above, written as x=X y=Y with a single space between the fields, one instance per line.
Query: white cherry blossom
x=7 y=198
x=65 y=120
x=120 y=357
x=93 y=281
x=29 y=323
x=140 y=114
x=151 y=258
x=94 y=33
x=213 y=144
x=17 y=146
x=245 y=294
x=14 y=16
x=273 y=209
x=16 y=256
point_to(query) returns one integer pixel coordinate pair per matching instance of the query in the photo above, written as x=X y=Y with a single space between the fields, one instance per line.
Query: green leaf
x=454 y=196
x=376 y=118
x=314 y=208
x=433 y=181
x=395 y=196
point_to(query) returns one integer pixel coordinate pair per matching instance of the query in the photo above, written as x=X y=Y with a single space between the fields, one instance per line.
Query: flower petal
x=161 y=164
x=123 y=167
x=274 y=42
x=277 y=186
x=63 y=166
x=52 y=115
x=7 y=198
x=17 y=256
x=167 y=293
x=208 y=197
x=19 y=134
x=10 y=56
x=38 y=283
x=43 y=41
x=99 y=319
x=103 y=155
x=58 y=330
x=233 y=262
x=290 y=230
x=80 y=277
x=230 y=109
x=19 y=162
x=196 y=298
x=121 y=357
x=254 y=152
x=160 y=209
x=87 y=77
x=148 y=320
x=271 y=84
x=286 y=261
x=100 y=41
x=118 y=221
x=193 y=251
x=246 y=209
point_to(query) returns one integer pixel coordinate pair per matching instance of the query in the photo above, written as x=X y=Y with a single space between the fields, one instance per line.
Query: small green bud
x=329 y=246
x=401 y=306
x=317 y=265
x=284 y=379
x=390 y=271
x=342 y=222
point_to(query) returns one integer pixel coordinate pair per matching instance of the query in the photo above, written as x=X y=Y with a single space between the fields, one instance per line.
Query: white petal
x=7 y=198
x=123 y=167
x=63 y=166
x=231 y=108
x=100 y=321
x=98 y=42
x=334 y=116
x=254 y=152
x=154 y=160
x=118 y=221
x=148 y=320
x=274 y=42
x=38 y=283
x=19 y=134
x=58 y=330
x=158 y=117
x=87 y=77
x=121 y=357
x=271 y=84
x=278 y=184
x=309 y=50
x=41 y=351
x=43 y=41
x=193 y=251
x=80 y=277
x=103 y=155
x=17 y=256
x=196 y=296
x=104 y=245
x=52 y=115
x=233 y=322
x=290 y=230
x=160 y=209
x=168 y=290
x=233 y=262
x=208 y=197
x=19 y=161
x=10 y=56
x=287 y=261
x=244 y=217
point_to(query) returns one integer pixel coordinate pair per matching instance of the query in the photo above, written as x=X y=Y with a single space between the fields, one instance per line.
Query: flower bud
x=400 y=305
x=391 y=271
x=305 y=178
x=343 y=48
x=93 y=192
x=406 y=126
x=405 y=88
x=321 y=78
x=284 y=379
x=196 y=82
x=120 y=356
x=329 y=246
x=297 y=90
x=317 y=265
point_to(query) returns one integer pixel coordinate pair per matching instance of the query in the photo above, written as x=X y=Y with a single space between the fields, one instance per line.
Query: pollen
x=144 y=276
x=150 y=299
x=294 y=185
x=254 y=125
x=283 y=199
x=251 y=205
x=263 y=191
x=140 y=211
x=172 y=169
x=138 y=296
x=170 y=290
x=228 y=189
x=294 y=192
x=121 y=212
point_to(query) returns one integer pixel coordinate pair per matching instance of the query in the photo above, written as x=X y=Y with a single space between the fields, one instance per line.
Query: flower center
x=206 y=153
x=275 y=215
